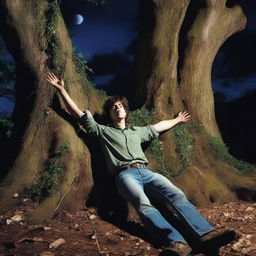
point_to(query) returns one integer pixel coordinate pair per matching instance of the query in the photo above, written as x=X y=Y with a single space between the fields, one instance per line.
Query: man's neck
x=120 y=124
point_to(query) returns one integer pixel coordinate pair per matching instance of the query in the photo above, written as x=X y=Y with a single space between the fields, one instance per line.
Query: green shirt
x=121 y=147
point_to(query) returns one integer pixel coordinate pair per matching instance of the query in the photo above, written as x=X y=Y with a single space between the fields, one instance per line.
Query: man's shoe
x=177 y=249
x=213 y=240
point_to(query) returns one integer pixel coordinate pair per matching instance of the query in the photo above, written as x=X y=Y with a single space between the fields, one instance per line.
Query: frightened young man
x=121 y=145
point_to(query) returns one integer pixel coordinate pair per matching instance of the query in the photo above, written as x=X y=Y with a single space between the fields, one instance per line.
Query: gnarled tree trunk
x=177 y=45
x=36 y=36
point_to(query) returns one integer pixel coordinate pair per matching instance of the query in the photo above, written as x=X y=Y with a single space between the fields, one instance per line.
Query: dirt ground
x=84 y=233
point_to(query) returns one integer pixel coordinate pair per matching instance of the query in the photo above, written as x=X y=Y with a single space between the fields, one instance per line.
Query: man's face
x=117 y=112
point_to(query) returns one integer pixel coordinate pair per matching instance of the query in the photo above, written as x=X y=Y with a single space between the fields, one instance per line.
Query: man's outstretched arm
x=165 y=125
x=70 y=104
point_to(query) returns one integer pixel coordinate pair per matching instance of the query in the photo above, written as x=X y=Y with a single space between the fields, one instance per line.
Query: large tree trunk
x=177 y=45
x=36 y=36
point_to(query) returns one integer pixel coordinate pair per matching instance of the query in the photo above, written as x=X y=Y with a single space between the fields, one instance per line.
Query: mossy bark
x=41 y=121
x=177 y=45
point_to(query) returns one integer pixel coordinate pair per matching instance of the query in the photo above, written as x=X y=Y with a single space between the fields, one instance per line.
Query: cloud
x=230 y=89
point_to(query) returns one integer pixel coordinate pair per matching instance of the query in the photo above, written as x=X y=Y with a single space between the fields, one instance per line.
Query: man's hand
x=183 y=116
x=165 y=125
x=70 y=104
x=52 y=79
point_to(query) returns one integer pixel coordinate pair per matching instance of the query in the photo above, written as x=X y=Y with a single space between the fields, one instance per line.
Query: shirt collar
x=127 y=126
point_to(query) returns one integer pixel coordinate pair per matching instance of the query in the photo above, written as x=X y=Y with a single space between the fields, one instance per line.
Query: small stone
x=8 y=221
x=57 y=243
x=92 y=217
x=15 y=195
x=248 y=236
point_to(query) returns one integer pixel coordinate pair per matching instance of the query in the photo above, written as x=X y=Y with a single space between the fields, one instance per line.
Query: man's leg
x=161 y=188
x=130 y=186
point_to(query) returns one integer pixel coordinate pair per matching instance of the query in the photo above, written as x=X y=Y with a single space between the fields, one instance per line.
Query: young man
x=121 y=145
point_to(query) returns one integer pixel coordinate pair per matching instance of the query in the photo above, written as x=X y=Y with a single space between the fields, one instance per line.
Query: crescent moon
x=79 y=19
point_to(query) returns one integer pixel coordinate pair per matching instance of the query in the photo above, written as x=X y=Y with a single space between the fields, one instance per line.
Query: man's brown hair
x=111 y=101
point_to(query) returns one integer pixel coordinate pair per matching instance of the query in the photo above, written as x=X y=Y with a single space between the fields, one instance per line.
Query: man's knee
x=145 y=208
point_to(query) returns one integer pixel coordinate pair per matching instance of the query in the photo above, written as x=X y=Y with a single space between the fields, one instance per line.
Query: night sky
x=107 y=35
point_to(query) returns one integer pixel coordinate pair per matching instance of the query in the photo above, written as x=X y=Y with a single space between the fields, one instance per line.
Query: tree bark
x=41 y=122
x=177 y=44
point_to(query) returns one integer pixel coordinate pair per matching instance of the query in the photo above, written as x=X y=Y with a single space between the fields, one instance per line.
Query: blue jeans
x=138 y=185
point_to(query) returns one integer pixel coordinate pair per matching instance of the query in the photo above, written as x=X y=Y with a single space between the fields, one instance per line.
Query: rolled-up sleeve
x=89 y=124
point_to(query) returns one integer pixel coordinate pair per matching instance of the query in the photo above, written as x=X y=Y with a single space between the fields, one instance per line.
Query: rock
x=8 y=221
x=15 y=195
x=92 y=217
x=57 y=243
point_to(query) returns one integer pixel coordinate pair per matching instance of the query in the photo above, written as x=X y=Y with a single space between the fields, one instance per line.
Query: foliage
x=141 y=117
x=220 y=151
x=82 y=68
x=184 y=144
x=6 y=127
x=81 y=64
x=53 y=45
x=47 y=183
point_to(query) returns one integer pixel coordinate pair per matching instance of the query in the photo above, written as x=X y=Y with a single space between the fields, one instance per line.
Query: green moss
x=47 y=183
x=81 y=64
x=52 y=50
x=220 y=151
x=141 y=117
x=184 y=144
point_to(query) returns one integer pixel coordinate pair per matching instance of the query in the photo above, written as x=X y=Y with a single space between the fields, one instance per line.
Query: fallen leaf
x=57 y=243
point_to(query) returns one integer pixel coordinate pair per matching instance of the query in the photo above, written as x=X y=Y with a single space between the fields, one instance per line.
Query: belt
x=134 y=165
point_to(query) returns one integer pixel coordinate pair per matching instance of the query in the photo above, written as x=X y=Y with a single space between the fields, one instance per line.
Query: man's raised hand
x=183 y=116
x=52 y=79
